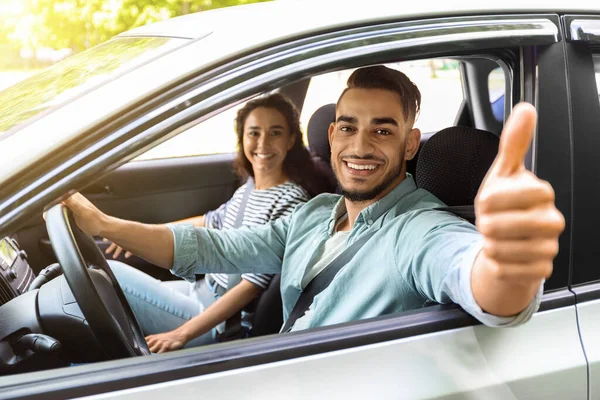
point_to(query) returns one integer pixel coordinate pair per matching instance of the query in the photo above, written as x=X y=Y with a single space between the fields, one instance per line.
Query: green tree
x=81 y=24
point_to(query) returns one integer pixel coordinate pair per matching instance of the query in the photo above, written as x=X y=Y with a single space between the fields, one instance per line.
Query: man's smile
x=361 y=167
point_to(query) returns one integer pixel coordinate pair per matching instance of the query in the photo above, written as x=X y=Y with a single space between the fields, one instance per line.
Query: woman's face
x=266 y=140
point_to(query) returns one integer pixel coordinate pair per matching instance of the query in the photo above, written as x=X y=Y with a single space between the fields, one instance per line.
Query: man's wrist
x=108 y=226
x=497 y=294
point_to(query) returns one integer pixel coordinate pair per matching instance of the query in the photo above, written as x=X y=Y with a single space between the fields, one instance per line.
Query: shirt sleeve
x=256 y=249
x=284 y=207
x=441 y=266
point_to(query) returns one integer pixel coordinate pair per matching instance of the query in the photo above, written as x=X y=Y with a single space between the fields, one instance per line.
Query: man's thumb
x=515 y=140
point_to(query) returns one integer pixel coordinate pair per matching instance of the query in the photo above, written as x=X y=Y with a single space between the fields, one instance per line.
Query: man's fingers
x=521 y=251
x=519 y=193
x=515 y=140
x=523 y=272
x=535 y=223
x=128 y=254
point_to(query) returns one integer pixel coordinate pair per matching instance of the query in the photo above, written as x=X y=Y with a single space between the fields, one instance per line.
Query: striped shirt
x=262 y=206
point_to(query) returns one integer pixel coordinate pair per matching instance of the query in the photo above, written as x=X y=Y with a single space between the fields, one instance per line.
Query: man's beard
x=357 y=196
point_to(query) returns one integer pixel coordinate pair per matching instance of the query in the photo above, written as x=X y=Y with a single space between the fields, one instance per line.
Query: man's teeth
x=260 y=155
x=361 y=167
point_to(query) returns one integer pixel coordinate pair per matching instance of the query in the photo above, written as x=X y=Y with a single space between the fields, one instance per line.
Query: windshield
x=76 y=75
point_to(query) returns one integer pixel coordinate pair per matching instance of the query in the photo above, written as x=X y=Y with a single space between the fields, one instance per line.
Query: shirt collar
x=372 y=213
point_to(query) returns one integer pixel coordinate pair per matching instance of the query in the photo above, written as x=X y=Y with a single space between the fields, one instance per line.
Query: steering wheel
x=94 y=287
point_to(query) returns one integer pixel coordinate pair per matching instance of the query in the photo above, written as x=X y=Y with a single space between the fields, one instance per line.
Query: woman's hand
x=163 y=342
x=113 y=247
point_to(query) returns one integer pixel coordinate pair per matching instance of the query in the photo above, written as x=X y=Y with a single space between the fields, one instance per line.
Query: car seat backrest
x=318 y=126
x=453 y=162
x=318 y=143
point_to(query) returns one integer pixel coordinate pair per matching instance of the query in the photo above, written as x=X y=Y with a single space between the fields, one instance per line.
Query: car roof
x=223 y=34
x=281 y=18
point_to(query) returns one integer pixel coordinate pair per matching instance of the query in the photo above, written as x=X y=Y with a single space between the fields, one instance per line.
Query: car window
x=496 y=87
x=215 y=135
x=76 y=75
x=439 y=81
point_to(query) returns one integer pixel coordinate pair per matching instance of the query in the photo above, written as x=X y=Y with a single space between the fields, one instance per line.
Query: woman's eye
x=276 y=133
x=253 y=133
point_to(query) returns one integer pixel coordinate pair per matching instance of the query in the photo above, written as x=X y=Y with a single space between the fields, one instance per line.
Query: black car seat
x=318 y=142
x=453 y=163
x=318 y=126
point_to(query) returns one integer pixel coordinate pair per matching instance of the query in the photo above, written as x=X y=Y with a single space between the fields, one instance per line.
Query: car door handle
x=95 y=190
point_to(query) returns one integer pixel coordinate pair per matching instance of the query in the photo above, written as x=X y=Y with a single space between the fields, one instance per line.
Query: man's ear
x=330 y=133
x=413 y=140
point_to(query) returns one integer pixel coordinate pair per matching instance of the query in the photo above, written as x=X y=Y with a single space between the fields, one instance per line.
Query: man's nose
x=362 y=143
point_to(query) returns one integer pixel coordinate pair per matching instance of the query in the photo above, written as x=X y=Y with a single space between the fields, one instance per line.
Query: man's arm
x=519 y=221
x=154 y=243
x=186 y=250
x=198 y=221
x=494 y=271
x=227 y=305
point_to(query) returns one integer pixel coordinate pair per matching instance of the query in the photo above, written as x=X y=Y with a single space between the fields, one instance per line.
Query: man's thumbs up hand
x=516 y=215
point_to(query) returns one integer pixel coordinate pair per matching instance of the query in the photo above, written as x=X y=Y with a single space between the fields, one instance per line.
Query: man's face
x=370 y=141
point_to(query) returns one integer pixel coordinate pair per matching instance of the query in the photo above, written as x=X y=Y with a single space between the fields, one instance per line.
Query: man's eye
x=383 y=132
x=346 y=128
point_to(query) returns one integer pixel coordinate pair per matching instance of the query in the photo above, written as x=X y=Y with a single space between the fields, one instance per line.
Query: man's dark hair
x=381 y=77
x=298 y=164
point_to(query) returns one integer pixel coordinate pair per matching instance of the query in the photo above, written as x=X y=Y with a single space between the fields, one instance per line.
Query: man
x=416 y=255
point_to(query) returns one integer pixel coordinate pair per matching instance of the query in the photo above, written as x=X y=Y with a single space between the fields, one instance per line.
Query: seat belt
x=466 y=212
x=322 y=281
x=233 y=325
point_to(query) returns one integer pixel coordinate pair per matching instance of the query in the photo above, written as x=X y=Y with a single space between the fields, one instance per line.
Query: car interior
x=47 y=295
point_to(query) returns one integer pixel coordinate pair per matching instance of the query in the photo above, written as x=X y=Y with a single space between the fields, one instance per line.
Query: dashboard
x=15 y=273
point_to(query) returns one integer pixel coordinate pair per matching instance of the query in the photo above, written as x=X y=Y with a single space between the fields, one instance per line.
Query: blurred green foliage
x=81 y=24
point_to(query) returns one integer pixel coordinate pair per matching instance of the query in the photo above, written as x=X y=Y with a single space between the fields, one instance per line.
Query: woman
x=280 y=174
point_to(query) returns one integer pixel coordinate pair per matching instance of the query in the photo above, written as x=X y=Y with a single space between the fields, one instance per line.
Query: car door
x=436 y=352
x=582 y=48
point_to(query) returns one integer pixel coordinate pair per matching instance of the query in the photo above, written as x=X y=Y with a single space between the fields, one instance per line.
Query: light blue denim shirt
x=417 y=256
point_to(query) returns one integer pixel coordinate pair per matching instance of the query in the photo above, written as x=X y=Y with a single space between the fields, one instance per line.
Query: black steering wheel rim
x=75 y=250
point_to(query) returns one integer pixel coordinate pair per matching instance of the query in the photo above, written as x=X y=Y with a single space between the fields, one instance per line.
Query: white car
x=132 y=124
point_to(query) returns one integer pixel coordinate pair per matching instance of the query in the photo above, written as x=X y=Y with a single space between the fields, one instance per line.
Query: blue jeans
x=163 y=306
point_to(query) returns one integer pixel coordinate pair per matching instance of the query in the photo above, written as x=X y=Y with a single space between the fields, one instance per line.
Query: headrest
x=453 y=163
x=318 y=125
